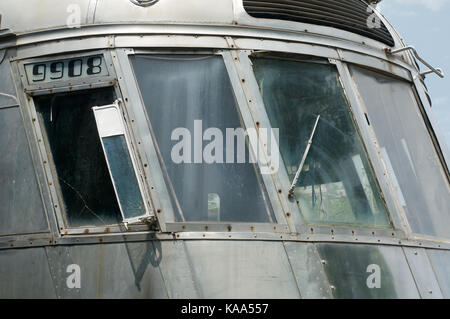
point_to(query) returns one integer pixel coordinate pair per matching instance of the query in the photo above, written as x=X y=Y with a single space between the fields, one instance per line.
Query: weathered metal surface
x=87 y=12
x=346 y=267
x=224 y=269
x=232 y=260
x=176 y=269
x=125 y=270
x=308 y=270
x=21 y=208
x=440 y=262
x=7 y=90
x=35 y=13
x=423 y=273
x=24 y=273
x=186 y=12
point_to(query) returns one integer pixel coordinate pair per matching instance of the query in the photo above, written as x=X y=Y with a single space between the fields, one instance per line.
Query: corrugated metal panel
x=348 y=15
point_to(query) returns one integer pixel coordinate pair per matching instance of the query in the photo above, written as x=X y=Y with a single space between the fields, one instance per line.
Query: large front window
x=336 y=184
x=199 y=135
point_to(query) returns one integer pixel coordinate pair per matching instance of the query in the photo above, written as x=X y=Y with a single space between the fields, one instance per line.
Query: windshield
x=336 y=184
x=200 y=139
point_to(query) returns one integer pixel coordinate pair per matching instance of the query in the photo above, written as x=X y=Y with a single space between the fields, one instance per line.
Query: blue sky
x=425 y=24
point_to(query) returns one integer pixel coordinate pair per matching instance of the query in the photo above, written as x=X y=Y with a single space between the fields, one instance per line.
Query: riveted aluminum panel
x=308 y=270
x=348 y=271
x=440 y=262
x=58 y=260
x=423 y=273
x=226 y=269
x=123 y=270
x=21 y=208
x=176 y=268
x=24 y=273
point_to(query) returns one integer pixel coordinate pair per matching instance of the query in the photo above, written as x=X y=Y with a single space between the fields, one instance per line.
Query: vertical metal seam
x=161 y=274
x=434 y=272
x=412 y=273
x=197 y=287
x=316 y=252
x=51 y=272
x=292 y=269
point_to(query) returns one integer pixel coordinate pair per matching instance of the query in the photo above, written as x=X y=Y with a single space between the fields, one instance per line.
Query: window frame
x=435 y=137
x=388 y=195
x=121 y=130
x=159 y=189
x=122 y=79
x=45 y=155
x=371 y=145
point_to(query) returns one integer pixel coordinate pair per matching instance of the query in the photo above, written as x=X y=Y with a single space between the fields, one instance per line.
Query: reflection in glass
x=213 y=207
x=124 y=177
x=336 y=184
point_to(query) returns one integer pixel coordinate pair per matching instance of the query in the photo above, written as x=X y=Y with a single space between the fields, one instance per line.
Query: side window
x=90 y=165
x=306 y=102
x=407 y=149
x=200 y=140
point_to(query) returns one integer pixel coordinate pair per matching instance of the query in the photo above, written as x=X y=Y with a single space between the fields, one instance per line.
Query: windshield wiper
x=305 y=154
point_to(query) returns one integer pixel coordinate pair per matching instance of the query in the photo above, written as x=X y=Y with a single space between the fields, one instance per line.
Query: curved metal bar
x=438 y=71
x=10 y=96
x=305 y=154
x=144 y=3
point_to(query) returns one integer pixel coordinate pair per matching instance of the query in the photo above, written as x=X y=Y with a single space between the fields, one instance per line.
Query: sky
x=425 y=24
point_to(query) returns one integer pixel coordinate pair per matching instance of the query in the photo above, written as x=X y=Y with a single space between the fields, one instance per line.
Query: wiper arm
x=305 y=154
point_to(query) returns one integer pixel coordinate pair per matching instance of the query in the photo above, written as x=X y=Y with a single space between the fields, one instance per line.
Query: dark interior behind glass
x=83 y=176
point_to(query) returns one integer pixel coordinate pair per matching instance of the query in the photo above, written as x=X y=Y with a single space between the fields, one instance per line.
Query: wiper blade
x=305 y=154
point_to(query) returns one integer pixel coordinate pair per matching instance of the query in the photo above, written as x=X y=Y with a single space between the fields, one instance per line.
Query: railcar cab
x=269 y=123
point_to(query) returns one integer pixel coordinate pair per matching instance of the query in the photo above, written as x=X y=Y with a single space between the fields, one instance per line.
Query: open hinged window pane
x=121 y=165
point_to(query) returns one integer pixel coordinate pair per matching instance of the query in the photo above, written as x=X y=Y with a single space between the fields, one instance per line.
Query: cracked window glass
x=79 y=162
x=336 y=184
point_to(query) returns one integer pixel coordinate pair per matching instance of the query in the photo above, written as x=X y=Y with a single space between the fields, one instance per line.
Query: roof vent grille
x=350 y=15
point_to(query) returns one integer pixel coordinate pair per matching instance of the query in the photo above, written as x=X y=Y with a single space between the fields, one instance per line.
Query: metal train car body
x=119 y=122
